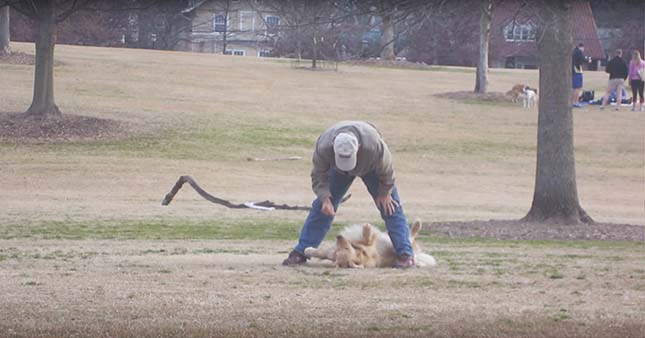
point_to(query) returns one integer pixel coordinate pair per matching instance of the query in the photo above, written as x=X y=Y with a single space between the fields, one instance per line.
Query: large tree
x=388 y=13
x=555 y=199
x=47 y=15
x=4 y=30
x=486 y=17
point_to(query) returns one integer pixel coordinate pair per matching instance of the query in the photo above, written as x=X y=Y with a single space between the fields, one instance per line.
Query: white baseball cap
x=345 y=149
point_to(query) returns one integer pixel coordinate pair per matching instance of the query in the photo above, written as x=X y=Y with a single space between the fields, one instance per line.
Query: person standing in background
x=617 y=69
x=577 y=60
x=636 y=79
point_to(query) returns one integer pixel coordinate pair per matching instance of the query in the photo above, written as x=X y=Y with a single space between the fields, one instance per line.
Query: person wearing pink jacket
x=637 y=79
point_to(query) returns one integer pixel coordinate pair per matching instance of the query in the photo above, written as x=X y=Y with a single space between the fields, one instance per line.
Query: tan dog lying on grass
x=364 y=246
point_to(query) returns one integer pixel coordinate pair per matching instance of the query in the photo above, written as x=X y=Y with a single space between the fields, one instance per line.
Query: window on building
x=264 y=53
x=236 y=52
x=519 y=32
x=247 y=21
x=219 y=23
x=273 y=22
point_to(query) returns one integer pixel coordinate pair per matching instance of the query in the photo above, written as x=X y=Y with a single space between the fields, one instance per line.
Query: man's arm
x=385 y=172
x=609 y=67
x=320 y=174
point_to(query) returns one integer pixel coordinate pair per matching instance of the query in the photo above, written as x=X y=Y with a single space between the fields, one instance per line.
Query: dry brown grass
x=220 y=288
x=455 y=161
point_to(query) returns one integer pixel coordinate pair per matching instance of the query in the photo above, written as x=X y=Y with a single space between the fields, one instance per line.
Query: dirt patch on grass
x=20 y=128
x=516 y=230
x=469 y=97
x=18 y=58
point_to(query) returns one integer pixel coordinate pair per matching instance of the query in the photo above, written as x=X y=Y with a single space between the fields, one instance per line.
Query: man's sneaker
x=295 y=258
x=404 y=261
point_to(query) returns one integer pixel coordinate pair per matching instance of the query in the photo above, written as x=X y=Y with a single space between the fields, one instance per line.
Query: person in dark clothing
x=577 y=60
x=617 y=69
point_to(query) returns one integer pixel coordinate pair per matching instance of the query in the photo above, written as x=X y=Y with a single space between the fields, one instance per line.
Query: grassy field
x=87 y=249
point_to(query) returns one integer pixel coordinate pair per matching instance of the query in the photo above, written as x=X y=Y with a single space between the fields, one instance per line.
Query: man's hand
x=387 y=204
x=327 y=207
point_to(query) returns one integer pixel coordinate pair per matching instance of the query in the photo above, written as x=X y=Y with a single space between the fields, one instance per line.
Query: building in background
x=233 y=27
x=514 y=32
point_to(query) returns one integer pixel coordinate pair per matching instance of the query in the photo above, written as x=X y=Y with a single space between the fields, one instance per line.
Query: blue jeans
x=318 y=224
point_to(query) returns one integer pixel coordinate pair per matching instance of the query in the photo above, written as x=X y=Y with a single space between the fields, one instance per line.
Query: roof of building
x=584 y=30
x=192 y=7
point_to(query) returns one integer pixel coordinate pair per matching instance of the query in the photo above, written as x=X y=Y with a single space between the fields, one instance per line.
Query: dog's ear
x=342 y=242
x=415 y=228
x=372 y=239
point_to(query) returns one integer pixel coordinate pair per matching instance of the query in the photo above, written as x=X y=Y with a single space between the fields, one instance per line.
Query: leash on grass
x=264 y=205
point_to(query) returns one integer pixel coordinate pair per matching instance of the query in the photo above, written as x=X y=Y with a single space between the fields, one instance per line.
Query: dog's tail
x=424 y=260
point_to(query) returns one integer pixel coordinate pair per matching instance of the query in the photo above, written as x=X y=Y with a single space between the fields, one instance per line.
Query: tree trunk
x=43 y=104
x=387 y=39
x=225 y=35
x=434 y=44
x=314 y=59
x=4 y=31
x=298 y=44
x=481 y=81
x=555 y=199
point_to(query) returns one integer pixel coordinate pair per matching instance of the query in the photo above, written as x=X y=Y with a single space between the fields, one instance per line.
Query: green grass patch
x=555 y=274
x=453 y=283
x=63 y=255
x=485 y=147
x=233 y=142
x=562 y=315
x=214 y=251
x=159 y=229
x=428 y=241
x=265 y=229
x=572 y=256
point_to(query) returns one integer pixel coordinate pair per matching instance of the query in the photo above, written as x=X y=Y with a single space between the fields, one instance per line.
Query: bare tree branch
x=265 y=204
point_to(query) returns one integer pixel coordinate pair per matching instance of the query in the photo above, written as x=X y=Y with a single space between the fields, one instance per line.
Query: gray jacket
x=373 y=156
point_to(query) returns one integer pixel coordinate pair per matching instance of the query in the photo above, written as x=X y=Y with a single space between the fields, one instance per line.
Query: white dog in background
x=529 y=97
